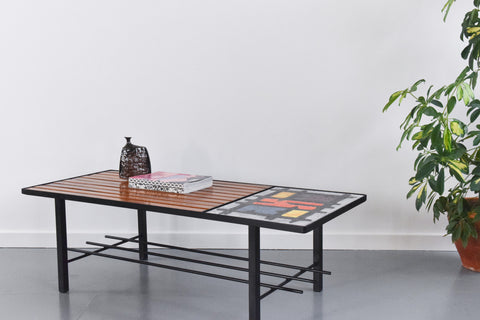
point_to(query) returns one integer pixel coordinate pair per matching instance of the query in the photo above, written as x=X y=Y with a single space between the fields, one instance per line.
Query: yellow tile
x=294 y=213
x=283 y=194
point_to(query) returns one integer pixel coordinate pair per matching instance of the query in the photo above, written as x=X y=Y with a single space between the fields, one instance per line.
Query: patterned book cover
x=170 y=182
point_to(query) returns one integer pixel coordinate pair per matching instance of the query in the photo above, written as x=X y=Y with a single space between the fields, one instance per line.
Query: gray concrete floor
x=364 y=285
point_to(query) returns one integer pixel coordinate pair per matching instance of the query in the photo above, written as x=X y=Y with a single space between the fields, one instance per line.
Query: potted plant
x=444 y=128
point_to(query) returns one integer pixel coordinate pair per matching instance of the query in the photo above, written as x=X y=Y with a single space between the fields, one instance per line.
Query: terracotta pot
x=470 y=255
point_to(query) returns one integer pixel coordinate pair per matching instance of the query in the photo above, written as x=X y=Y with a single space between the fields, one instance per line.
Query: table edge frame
x=194 y=214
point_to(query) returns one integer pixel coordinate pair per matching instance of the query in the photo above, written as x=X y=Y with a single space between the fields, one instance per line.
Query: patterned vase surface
x=134 y=160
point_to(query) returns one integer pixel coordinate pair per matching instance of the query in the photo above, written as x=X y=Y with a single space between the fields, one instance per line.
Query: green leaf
x=473 y=133
x=464 y=238
x=456 y=152
x=459 y=93
x=413 y=189
x=437 y=94
x=432 y=183
x=475 y=185
x=424 y=170
x=476 y=172
x=406 y=123
x=449 y=89
x=436 y=138
x=431 y=198
x=404 y=135
x=438 y=185
x=476 y=141
x=475 y=103
x=447 y=140
x=456 y=172
x=430 y=111
x=427 y=128
x=471 y=59
x=459 y=165
x=474 y=115
x=457 y=128
x=441 y=181
x=402 y=96
x=466 y=51
x=456 y=233
x=461 y=76
x=441 y=204
x=392 y=99
x=421 y=197
x=460 y=205
x=446 y=8
x=418 y=135
x=437 y=103
x=467 y=93
x=416 y=84
x=436 y=212
x=451 y=104
x=428 y=92
x=418 y=160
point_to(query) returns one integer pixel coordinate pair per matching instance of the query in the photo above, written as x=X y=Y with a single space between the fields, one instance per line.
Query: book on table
x=170 y=182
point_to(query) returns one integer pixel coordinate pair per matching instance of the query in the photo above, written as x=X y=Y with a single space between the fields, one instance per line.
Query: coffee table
x=254 y=205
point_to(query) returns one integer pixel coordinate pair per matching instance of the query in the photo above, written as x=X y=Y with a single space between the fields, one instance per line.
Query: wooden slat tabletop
x=107 y=185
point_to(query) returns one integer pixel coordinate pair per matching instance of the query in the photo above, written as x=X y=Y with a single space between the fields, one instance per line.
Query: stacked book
x=170 y=182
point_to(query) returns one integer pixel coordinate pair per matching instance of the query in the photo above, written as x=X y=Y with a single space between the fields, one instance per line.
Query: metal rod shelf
x=202 y=273
x=102 y=249
x=270 y=291
x=228 y=256
x=213 y=264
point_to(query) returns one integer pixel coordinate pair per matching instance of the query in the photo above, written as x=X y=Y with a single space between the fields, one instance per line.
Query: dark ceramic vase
x=134 y=160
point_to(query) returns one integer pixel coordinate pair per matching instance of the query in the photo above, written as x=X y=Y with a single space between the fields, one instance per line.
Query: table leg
x=142 y=234
x=62 y=256
x=254 y=272
x=318 y=258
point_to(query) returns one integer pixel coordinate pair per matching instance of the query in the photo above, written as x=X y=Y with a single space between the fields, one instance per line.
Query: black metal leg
x=254 y=272
x=318 y=258
x=62 y=256
x=142 y=234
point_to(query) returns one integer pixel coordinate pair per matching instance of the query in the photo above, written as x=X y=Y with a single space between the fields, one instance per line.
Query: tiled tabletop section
x=293 y=206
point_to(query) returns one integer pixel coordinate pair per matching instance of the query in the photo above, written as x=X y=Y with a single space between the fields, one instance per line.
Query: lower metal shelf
x=271 y=288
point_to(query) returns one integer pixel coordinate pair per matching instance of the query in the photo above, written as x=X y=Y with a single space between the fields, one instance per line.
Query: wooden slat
x=137 y=194
x=108 y=185
x=226 y=187
x=233 y=188
x=98 y=195
x=217 y=188
x=113 y=176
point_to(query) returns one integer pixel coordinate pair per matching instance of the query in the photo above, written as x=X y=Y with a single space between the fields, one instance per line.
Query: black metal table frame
x=254 y=261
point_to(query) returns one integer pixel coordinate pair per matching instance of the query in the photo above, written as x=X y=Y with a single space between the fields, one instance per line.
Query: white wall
x=277 y=92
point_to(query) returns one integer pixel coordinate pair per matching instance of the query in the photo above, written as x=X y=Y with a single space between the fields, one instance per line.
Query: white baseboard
x=269 y=240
